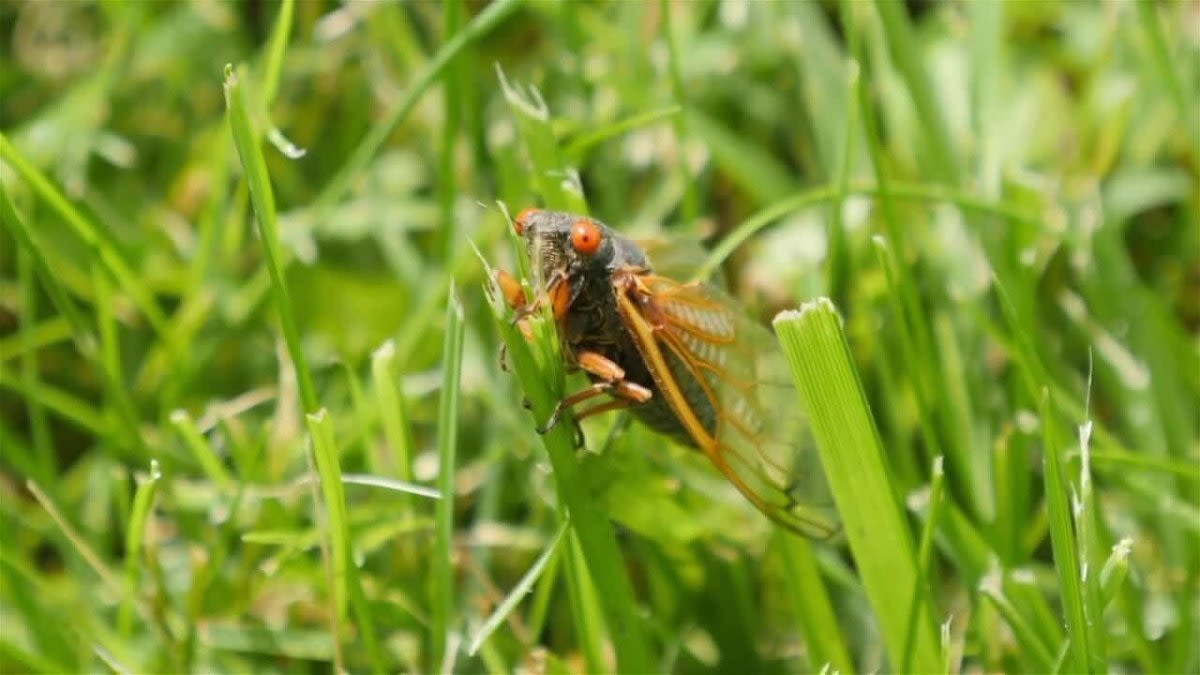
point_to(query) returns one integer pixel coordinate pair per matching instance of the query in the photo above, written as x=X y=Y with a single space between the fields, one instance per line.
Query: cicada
x=681 y=357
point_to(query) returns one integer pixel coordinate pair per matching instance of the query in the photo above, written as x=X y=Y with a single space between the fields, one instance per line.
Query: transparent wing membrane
x=727 y=381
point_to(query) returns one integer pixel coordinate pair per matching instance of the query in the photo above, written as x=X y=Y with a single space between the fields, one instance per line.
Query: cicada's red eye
x=522 y=218
x=586 y=236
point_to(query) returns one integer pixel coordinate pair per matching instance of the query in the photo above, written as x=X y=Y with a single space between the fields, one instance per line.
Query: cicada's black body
x=593 y=322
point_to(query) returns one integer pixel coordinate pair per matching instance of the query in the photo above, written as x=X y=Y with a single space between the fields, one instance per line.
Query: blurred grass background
x=1000 y=198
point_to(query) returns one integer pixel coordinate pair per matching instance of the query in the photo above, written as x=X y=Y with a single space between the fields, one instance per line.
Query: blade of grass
x=1064 y=542
x=856 y=468
x=200 y=448
x=1165 y=63
x=539 y=368
x=799 y=201
x=826 y=646
x=1035 y=650
x=392 y=413
x=345 y=584
x=481 y=25
x=518 y=592
x=96 y=237
x=42 y=457
x=691 y=201
x=578 y=148
x=557 y=182
x=925 y=557
x=143 y=504
x=905 y=48
x=263 y=197
x=442 y=587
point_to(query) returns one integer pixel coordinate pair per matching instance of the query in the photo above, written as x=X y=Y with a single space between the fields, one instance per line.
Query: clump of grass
x=252 y=418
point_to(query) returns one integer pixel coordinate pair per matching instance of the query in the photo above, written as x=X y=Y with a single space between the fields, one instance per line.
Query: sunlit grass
x=253 y=416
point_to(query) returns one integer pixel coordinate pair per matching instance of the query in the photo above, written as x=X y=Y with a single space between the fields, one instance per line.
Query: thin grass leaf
x=391 y=484
x=442 y=588
x=263 y=198
x=95 y=237
x=369 y=147
x=822 y=635
x=1034 y=647
x=576 y=150
x=345 y=585
x=200 y=448
x=539 y=369
x=389 y=396
x=143 y=504
x=1064 y=542
x=906 y=48
x=518 y=592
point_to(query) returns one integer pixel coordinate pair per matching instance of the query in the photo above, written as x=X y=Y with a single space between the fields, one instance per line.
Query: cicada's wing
x=727 y=381
x=678 y=257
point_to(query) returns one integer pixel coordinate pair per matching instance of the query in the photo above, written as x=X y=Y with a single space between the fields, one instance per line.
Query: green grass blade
x=822 y=635
x=856 y=468
x=93 y=235
x=200 y=448
x=518 y=592
x=393 y=415
x=143 y=503
x=905 y=47
x=345 y=587
x=481 y=25
x=541 y=376
x=1064 y=542
x=444 y=619
x=263 y=197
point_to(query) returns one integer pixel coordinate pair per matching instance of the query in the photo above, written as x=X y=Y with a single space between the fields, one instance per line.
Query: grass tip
x=919 y=499
x=992 y=581
x=822 y=304
x=1123 y=548
x=385 y=351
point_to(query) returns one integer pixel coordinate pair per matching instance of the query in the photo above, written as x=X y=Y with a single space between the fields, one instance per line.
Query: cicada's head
x=573 y=248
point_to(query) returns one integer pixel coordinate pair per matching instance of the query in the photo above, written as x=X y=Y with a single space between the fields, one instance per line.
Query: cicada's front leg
x=611 y=381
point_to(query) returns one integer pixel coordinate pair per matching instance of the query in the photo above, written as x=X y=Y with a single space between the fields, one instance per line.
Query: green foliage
x=252 y=417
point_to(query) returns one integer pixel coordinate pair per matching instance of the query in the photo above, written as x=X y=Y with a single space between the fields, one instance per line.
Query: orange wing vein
x=727 y=382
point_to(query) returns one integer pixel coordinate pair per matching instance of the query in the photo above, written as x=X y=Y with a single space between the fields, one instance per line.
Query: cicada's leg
x=514 y=297
x=615 y=404
x=613 y=383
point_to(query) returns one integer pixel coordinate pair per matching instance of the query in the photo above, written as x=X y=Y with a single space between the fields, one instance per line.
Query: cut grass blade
x=856 y=468
x=557 y=182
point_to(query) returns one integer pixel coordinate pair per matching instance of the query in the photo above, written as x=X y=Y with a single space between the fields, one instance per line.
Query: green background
x=1000 y=199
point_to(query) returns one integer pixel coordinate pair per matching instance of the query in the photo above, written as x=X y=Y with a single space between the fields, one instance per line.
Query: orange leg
x=614 y=383
x=615 y=404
